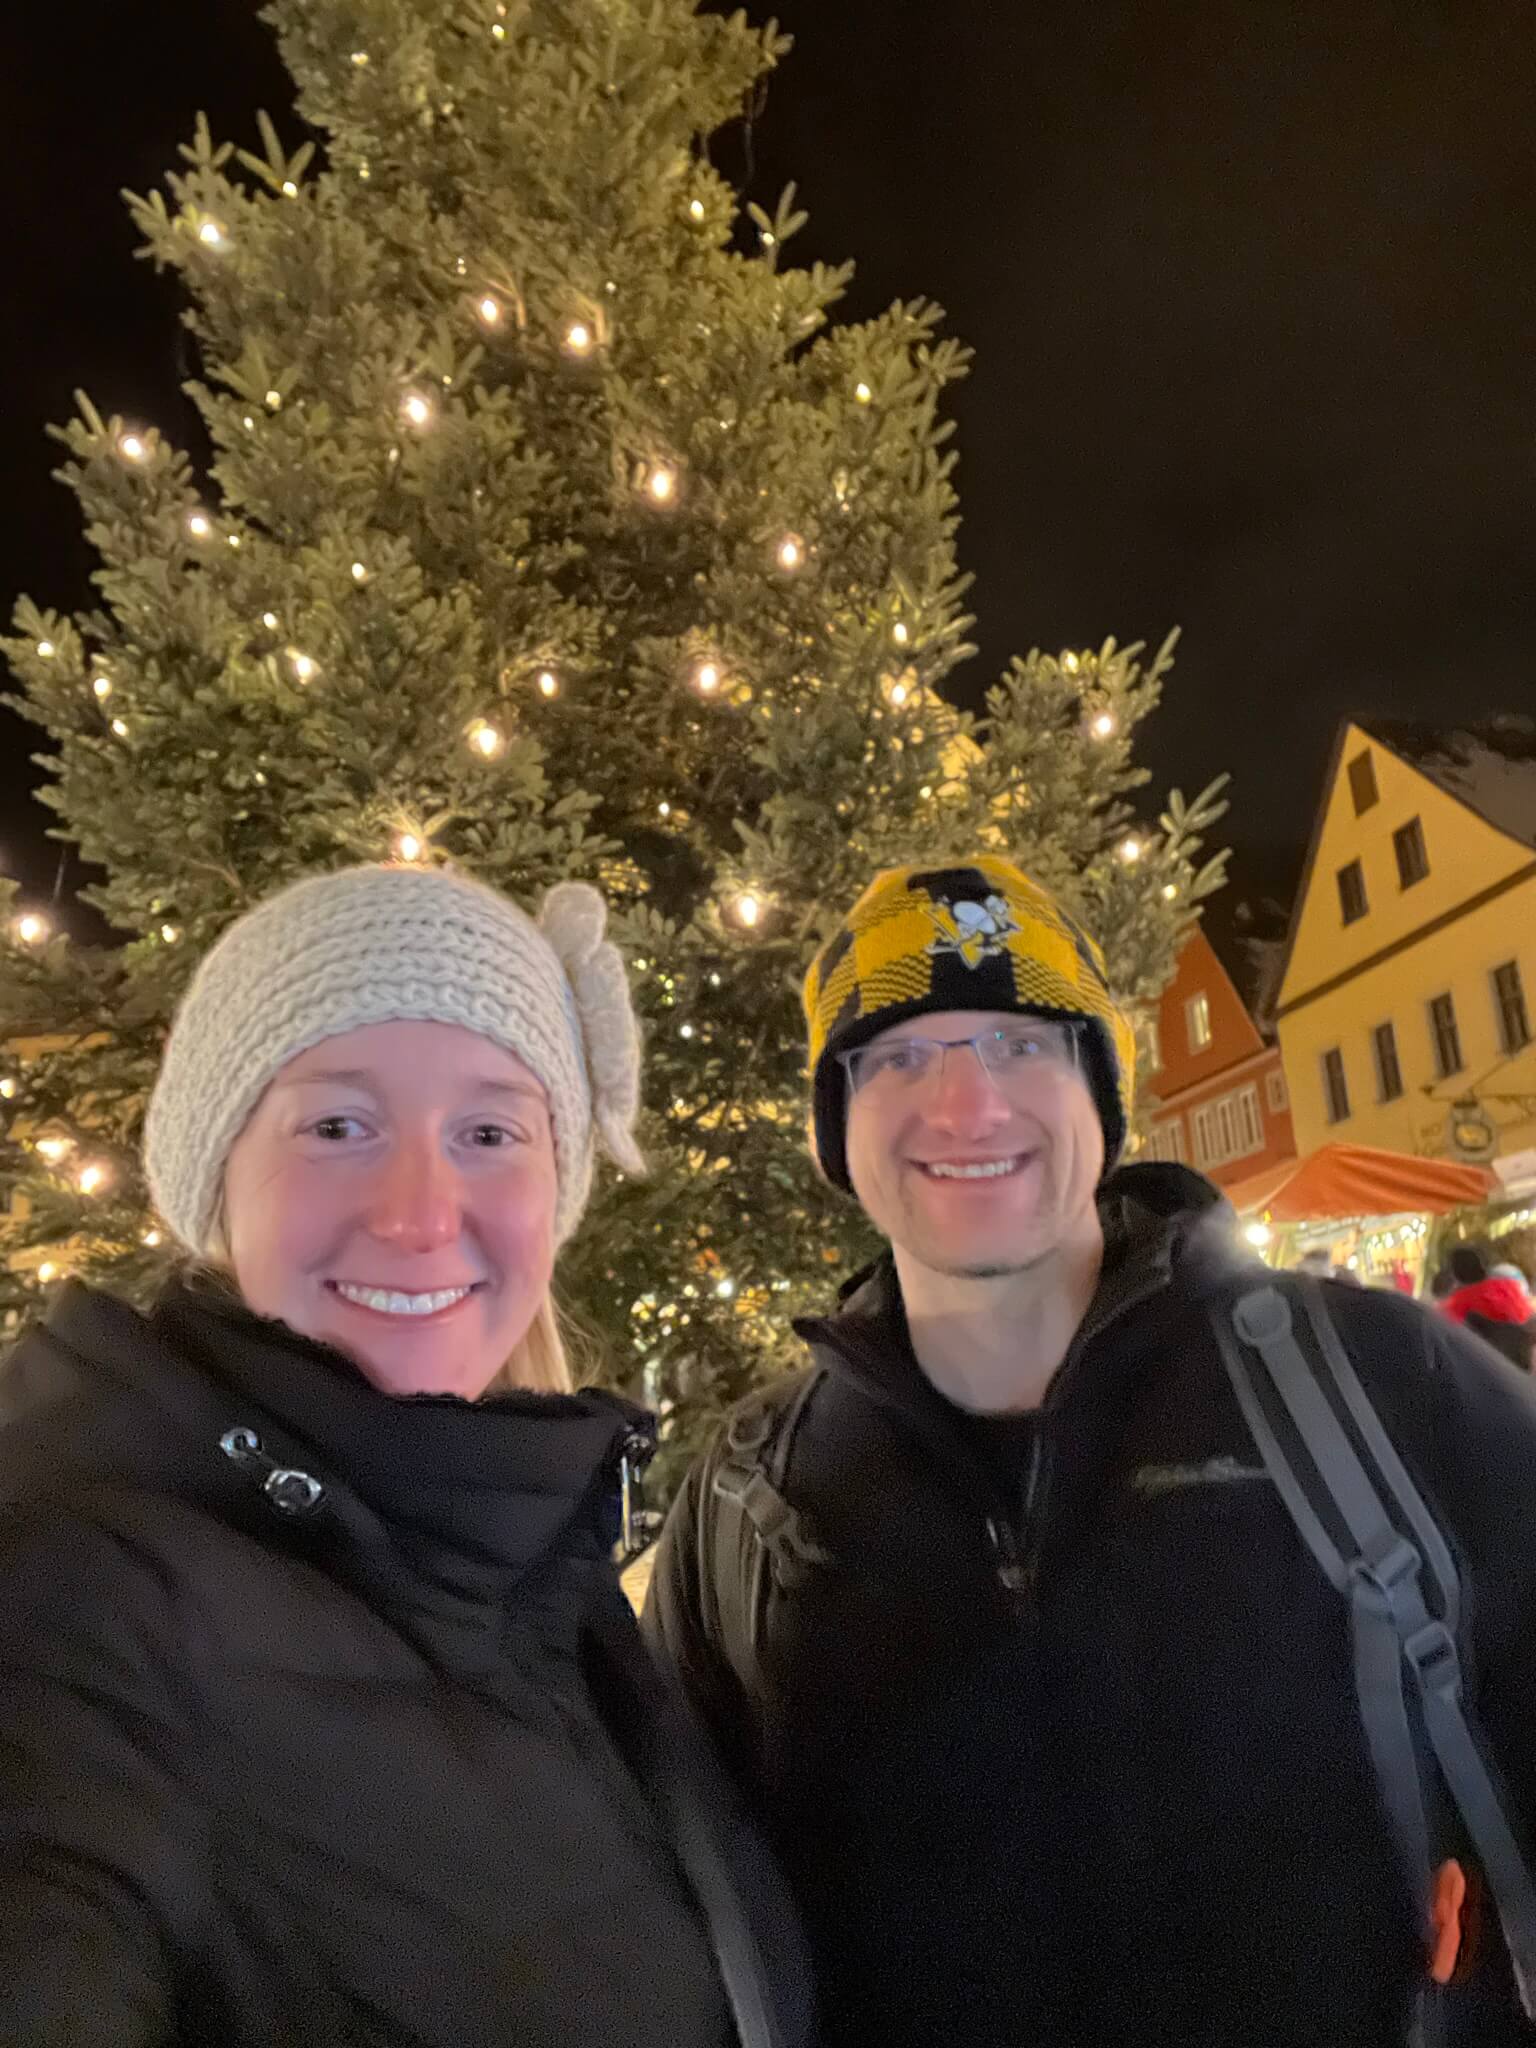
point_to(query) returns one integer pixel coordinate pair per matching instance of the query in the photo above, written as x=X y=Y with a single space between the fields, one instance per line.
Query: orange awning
x=1341 y=1181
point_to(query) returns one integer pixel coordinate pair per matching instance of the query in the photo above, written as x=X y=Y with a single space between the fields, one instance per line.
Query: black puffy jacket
x=322 y=1718
x=1055 y=1722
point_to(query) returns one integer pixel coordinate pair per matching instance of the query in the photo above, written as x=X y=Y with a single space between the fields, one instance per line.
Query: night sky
x=1253 y=294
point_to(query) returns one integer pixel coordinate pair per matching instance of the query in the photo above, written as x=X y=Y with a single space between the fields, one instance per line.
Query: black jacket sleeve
x=99 y=1854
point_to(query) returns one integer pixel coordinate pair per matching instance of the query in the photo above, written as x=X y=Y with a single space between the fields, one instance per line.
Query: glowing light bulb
x=489 y=310
x=47 y=1271
x=417 y=409
x=898 y=693
x=211 y=235
x=269 y=620
x=408 y=846
x=234 y=540
x=685 y=1031
x=579 y=340
x=748 y=909
x=791 y=552
x=119 y=728
x=862 y=392
x=199 y=525
x=901 y=633
x=726 y=1289
x=549 y=683
x=706 y=678
x=274 y=399
x=1130 y=849
x=663 y=810
x=1069 y=662
x=304 y=665
x=498 y=33
x=52 y=1149
x=91 y=1178
x=696 y=209
x=360 y=58
x=1170 y=890
x=7 y=1089
x=31 y=929
x=925 y=792
x=1103 y=725
x=1258 y=1233
x=170 y=933
x=132 y=448
x=359 y=573
x=290 y=190
x=485 y=739
x=661 y=484
x=151 y=1238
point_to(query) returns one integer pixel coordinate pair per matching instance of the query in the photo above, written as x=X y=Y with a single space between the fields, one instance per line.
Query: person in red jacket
x=1497 y=1306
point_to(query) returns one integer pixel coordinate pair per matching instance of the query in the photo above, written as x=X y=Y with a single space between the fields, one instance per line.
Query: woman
x=1492 y=1302
x=321 y=1716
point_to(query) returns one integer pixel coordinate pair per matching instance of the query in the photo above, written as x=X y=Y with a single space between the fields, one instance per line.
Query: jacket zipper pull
x=635 y=1522
x=1009 y=1568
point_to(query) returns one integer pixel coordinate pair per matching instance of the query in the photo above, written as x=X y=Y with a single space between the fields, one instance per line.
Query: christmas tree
x=549 y=527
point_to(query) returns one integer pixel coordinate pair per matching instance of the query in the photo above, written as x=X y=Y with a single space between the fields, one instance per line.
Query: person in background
x=322 y=1716
x=1495 y=1304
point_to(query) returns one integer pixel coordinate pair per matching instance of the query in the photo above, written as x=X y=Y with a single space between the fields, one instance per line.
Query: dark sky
x=1252 y=290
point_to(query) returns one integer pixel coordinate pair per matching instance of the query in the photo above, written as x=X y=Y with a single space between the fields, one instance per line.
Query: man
x=1493 y=1302
x=995 y=1611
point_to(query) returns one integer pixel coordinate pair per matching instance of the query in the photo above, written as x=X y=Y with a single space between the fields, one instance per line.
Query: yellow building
x=1405 y=1008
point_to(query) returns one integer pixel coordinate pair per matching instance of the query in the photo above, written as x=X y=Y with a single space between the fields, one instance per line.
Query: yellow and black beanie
x=979 y=937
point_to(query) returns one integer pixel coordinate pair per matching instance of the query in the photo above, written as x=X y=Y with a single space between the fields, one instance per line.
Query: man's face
x=974 y=1170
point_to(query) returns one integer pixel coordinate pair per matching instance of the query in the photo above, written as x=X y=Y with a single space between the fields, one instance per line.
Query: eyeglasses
x=1018 y=1055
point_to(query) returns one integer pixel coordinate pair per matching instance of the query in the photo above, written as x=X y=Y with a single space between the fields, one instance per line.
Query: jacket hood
x=1496 y=1299
x=430 y=1503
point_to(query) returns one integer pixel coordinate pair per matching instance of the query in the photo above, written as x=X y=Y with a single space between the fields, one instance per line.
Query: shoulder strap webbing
x=752 y=1527
x=1383 y=1575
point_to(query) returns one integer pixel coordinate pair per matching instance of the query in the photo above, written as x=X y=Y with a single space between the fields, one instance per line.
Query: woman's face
x=393 y=1195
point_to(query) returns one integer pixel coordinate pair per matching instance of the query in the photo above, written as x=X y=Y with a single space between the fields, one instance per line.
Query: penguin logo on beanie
x=973 y=931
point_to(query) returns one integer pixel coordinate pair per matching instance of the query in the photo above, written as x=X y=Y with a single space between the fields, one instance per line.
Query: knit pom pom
x=573 y=919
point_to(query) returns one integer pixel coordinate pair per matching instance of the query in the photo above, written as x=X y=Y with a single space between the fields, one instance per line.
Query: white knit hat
x=373 y=945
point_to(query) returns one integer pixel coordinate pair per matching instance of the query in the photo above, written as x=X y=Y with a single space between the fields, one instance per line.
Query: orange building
x=1220 y=1101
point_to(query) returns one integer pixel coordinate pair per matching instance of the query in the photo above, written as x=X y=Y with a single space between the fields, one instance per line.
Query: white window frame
x=1166 y=1141
x=1197 y=1021
x=1228 y=1127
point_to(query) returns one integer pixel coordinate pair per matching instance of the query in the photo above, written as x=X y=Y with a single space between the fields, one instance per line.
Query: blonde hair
x=540 y=1361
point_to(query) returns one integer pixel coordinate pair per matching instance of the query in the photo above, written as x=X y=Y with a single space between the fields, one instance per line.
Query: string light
x=498 y=33
x=1103 y=725
x=706 y=678
x=485 y=739
x=748 y=909
x=791 y=553
x=663 y=810
x=408 y=846
x=696 y=209
x=360 y=58
x=1070 y=663
x=211 y=235
x=170 y=934
x=133 y=448
x=661 y=484
x=7 y=1089
x=901 y=633
x=151 y=1238
x=290 y=190
x=47 y=1271
x=234 y=540
x=119 y=728
x=685 y=1031
x=1258 y=1233
x=1170 y=890
x=52 y=1149
x=549 y=683
x=579 y=341
x=489 y=310
x=1130 y=849
x=269 y=620
x=274 y=399
x=417 y=409
x=31 y=929
x=726 y=1289
x=199 y=525
x=305 y=667
x=91 y=1178
x=862 y=392
x=898 y=692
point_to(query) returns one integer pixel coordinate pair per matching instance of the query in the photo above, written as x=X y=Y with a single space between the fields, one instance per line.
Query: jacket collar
x=433 y=1506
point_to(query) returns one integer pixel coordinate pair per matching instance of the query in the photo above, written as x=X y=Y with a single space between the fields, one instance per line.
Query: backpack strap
x=752 y=1529
x=1398 y=1633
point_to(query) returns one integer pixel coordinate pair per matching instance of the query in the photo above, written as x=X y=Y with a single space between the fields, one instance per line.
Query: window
x=1274 y=1091
x=1197 y=1020
x=1412 y=860
x=1166 y=1141
x=1446 y=1037
x=1362 y=782
x=1389 y=1073
x=1352 y=892
x=1229 y=1128
x=1335 y=1087
x=1509 y=999
x=1154 y=1046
